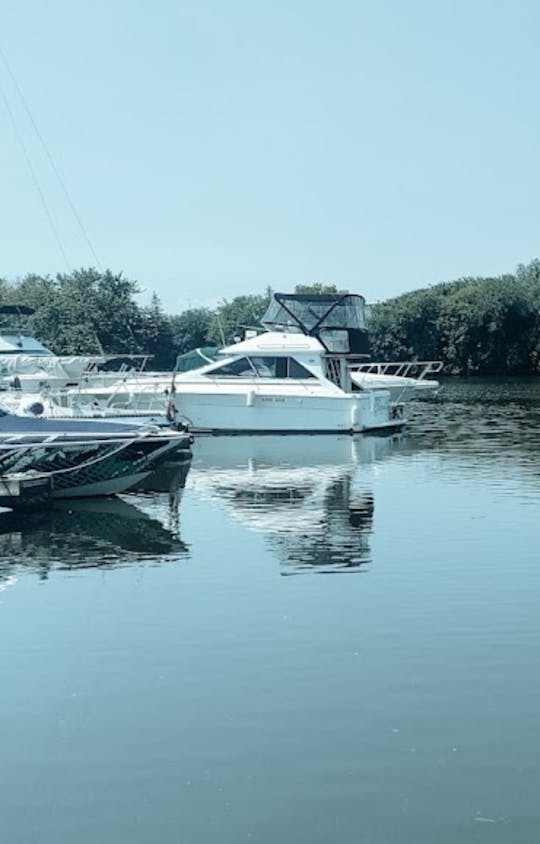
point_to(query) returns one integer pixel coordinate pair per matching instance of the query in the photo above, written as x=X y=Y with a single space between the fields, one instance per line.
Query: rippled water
x=181 y=667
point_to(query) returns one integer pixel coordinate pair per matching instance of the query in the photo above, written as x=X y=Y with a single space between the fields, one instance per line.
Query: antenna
x=223 y=343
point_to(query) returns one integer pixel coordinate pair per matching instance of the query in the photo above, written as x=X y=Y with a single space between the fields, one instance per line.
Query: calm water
x=182 y=667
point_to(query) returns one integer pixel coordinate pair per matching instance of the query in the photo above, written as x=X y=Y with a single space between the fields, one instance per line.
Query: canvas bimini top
x=337 y=320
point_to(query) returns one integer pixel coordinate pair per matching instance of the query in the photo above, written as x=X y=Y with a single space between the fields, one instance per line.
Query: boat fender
x=250 y=398
x=354 y=416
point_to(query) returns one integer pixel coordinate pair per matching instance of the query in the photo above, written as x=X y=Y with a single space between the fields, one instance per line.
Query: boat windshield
x=22 y=343
x=196 y=358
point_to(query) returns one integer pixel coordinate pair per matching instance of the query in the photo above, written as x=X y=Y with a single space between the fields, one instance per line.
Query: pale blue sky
x=212 y=148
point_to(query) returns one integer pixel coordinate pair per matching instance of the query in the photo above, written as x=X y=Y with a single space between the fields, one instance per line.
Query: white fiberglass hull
x=227 y=407
x=220 y=405
x=255 y=412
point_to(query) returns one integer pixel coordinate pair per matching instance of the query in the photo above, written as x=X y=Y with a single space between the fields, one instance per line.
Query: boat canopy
x=338 y=320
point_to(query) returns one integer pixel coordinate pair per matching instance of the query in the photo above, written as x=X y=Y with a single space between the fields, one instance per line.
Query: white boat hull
x=240 y=408
x=254 y=412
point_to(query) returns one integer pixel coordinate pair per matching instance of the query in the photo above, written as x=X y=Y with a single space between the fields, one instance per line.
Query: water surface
x=305 y=640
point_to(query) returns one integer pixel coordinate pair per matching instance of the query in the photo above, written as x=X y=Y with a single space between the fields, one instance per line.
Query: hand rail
x=403 y=369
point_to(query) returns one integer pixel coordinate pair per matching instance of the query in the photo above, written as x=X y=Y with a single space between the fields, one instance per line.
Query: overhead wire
x=35 y=179
x=50 y=159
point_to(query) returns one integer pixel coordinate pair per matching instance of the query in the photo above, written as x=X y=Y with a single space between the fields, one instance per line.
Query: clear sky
x=213 y=148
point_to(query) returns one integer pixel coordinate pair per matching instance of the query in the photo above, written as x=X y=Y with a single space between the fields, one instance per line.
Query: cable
x=51 y=160
x=35 y=179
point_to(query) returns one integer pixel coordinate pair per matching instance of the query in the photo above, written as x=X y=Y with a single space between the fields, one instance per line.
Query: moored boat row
x=307 y=372
x=70 y=429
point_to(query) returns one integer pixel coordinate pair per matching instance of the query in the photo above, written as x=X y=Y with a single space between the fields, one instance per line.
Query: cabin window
x=279 y=368
x=263 y=367
x=296 y=370
x=270 y=367
x=240 y=368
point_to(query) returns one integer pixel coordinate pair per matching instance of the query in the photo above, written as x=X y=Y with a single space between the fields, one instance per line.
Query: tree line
x=487 y=326
x=474 y=325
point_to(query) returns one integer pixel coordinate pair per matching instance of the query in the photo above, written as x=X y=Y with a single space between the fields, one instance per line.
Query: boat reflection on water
x=311 y=496
x=170 y=478
x=96 y=532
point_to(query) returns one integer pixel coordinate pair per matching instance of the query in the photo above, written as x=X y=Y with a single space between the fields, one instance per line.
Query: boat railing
x=122 y=395
x=417 y=369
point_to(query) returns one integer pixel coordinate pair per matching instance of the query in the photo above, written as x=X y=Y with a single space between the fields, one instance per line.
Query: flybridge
x=337 y=320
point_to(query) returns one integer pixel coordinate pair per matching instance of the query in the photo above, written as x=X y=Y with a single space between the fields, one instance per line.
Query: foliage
x=190 y=329
x=318 y=288
x=230 y=318
x=83 y=311
x=157 y=334
x=474 y=325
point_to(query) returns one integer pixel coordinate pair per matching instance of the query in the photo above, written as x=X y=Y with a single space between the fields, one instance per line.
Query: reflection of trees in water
x=93 y=533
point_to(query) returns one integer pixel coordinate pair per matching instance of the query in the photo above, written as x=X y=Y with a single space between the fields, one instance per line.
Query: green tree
x=190 y=329
x=318 y=288
x=83 y=312
x=231 y=318
x=157 y=336
x=474 y=325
